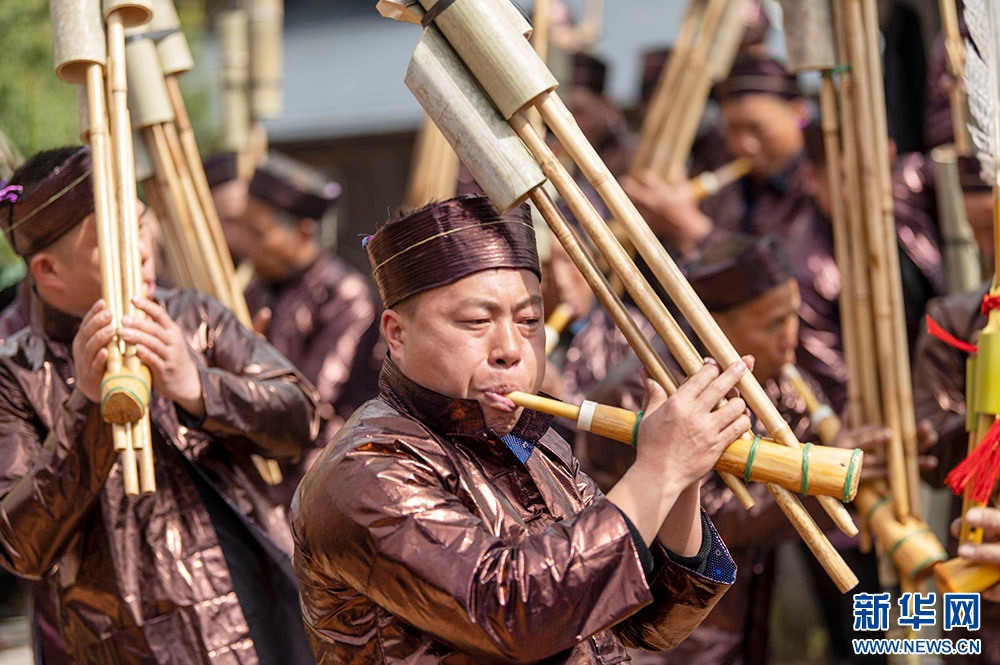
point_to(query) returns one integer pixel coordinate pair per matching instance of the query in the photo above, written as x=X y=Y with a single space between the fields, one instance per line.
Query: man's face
x=269 y=245
x=78 y=262
x=764 y=129
x=767 y=327
x=478 y=338
x=231 y=203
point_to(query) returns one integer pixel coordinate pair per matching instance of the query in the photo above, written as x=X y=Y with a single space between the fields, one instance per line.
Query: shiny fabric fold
x=419 y=535
x=443 y=242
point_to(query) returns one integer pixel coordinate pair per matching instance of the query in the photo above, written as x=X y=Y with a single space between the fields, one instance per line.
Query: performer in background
x=314 y=308
x=445 y=523
x=749 y=286
x=197 y=571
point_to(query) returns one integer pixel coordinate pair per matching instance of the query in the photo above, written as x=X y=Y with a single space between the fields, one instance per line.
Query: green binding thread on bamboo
x=805 y=468
x=635 y=428
x=851 y=468
x=750 y=457
x=899 y=543
x=929 y=561
x=868 y=515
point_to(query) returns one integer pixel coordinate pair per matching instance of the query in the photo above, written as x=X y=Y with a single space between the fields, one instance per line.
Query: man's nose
x=506 y=349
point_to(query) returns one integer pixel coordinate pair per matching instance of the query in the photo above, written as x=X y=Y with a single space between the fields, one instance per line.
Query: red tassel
x=934 y=329
x=989 y=302
x=980 y=468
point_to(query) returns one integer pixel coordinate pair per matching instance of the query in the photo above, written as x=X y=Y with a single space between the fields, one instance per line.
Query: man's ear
x=46 y=270
x=393 y=326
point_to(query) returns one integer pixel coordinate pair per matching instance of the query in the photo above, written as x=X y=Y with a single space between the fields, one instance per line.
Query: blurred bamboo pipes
x=502 y=62
x=704 y=51
x=176 y=185
x=962 y=265
x=90 y=46
x=954 y=48
x=433 y=169
x=817 y=470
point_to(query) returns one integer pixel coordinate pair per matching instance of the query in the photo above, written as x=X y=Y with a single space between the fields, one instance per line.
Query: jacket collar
x=54 y=324
x=451 y=416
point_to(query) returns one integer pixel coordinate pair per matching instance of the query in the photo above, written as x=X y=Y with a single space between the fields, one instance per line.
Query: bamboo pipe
x=107 y=239
x=709 y=183
x=824 y=420
x=842 y=248
x=643 y=294
x=822 y=470
x=911 y=544
x=561 y=123
x=869 y=407
x=541 y=23
x=694 y=83
x=555 y=323
x=900 y=346
x=233 y=298
x=666 y=86
x=608 y=245
x=178 y=213
x=434 y=168
x=716 y=64
x=954 y=47
x=608 y=299
x=612 y=304
x=441 y=60
x=961 y=255
x=963 y=576
x=879 y=256
x=131 y=284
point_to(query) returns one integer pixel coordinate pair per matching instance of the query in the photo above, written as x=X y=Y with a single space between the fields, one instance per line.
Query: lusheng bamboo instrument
x=962 y=265
x=874 y=334
x=90 y=46
x=709 y=183
x=911 y=544
x=493 y=57
x=555 y=323
x=975 y=478
x=815 y=470
x=824 y=421
x=702 y=55
x=176 y=184
x=433 y=170
x=954 y=48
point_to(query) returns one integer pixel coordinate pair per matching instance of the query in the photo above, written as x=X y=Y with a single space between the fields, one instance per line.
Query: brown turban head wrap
x=46 y=197
x=738 y=270
x=589 y=72
x=220 y=168
x=293 y=187
x=441 y=243
x=758 y=76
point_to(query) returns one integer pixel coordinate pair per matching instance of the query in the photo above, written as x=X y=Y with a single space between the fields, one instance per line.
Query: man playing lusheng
x=198 y=571
x=444 y=524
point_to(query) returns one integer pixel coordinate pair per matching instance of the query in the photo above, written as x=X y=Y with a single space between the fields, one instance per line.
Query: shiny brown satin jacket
x=143 y=579
x=420 y=538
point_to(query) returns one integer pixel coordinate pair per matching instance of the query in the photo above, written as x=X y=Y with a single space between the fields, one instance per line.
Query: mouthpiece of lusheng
x=812 y=469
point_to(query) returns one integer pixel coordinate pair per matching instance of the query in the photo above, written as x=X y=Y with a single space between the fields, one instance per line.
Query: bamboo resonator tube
x=498 y=62
x=175 y=179
x=813 y=470
x=89 y=49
